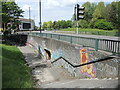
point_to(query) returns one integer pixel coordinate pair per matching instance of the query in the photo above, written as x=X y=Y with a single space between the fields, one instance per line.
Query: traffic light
x=79 y=12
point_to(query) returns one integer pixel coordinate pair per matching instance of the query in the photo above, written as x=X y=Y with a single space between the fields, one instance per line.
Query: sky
x=52 y=10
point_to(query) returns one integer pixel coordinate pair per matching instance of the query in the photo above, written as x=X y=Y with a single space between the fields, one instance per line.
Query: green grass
x=15 y=74
x=93 y=31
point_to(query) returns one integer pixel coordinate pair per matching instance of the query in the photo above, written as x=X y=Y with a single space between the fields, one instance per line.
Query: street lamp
x=29 y=19
x=40 y=14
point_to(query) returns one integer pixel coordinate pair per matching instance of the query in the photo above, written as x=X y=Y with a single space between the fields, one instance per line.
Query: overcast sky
x=51 y=9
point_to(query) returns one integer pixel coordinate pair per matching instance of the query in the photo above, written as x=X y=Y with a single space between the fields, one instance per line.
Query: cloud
x=51 y=9
x=51 y=3
x=26 y=7
x=64 y=3
x=58 y=3
x=61 y=3
x=26 y=0
x=73 y=1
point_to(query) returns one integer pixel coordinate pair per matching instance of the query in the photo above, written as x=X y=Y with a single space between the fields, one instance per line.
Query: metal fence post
x=71 y=39
x=98 y=32
x=51 y=35
x=96 y=44
x=106 y=33
x=39 y=34
x=58 y=37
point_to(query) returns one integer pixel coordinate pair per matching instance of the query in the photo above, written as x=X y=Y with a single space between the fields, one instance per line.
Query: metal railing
x=106 y=33
x=75 y=66
x=98 y=44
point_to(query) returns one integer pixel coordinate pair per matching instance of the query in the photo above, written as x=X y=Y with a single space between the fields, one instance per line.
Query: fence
x=98 y=44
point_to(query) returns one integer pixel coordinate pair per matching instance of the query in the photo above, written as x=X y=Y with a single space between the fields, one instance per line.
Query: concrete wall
x=77 y=55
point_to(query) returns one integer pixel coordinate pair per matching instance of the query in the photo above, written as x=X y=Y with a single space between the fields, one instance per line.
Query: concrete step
x=50 y=74
x=83 y=83
x=42 y=72
x=57 y=77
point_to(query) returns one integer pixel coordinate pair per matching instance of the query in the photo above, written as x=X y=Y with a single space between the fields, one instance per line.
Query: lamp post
x=40 y=14
x=29 y=19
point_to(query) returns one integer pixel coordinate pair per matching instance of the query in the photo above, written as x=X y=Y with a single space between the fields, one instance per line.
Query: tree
x=113 y=13
x=63 y=24
x=36 y=28
x=99 y=12
x=103 y=24
x=44 y=26
x=69 y=23
x=58 y=24
x=89 y=9
x=83 y=24
x=118 y=15
x=107 y=10
x=10 y=13
x=49 y=24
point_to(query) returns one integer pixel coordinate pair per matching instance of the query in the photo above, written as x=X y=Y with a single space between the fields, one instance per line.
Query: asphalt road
x=88 y=36
x=80 y=35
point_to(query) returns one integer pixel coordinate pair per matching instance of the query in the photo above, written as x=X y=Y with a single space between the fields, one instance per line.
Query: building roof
x=24 y=19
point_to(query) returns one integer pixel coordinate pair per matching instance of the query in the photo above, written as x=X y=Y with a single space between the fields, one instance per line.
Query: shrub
x=6 y=32
x=103 y=24
x=83 y=24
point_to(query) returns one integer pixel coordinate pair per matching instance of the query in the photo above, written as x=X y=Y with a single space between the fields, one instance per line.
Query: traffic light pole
x=79 y=12
x=75 y=11
x=77 y=27
x=76 y=18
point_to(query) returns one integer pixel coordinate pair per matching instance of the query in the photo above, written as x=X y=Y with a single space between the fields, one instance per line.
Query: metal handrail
x=75 y=66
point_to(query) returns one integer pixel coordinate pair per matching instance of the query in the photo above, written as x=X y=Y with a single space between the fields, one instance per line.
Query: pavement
x=85 y=83
x=46 y=76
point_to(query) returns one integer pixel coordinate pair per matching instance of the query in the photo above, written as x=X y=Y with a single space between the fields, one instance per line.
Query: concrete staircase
x=46 y=76
x=51 y=75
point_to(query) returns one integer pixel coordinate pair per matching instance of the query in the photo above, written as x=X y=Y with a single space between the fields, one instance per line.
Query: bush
x=6 y=32
x=83 y=24
x=103 y=24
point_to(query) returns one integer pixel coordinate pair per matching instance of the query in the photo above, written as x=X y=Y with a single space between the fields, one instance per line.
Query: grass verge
x=15 y=74
x=94 y=31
